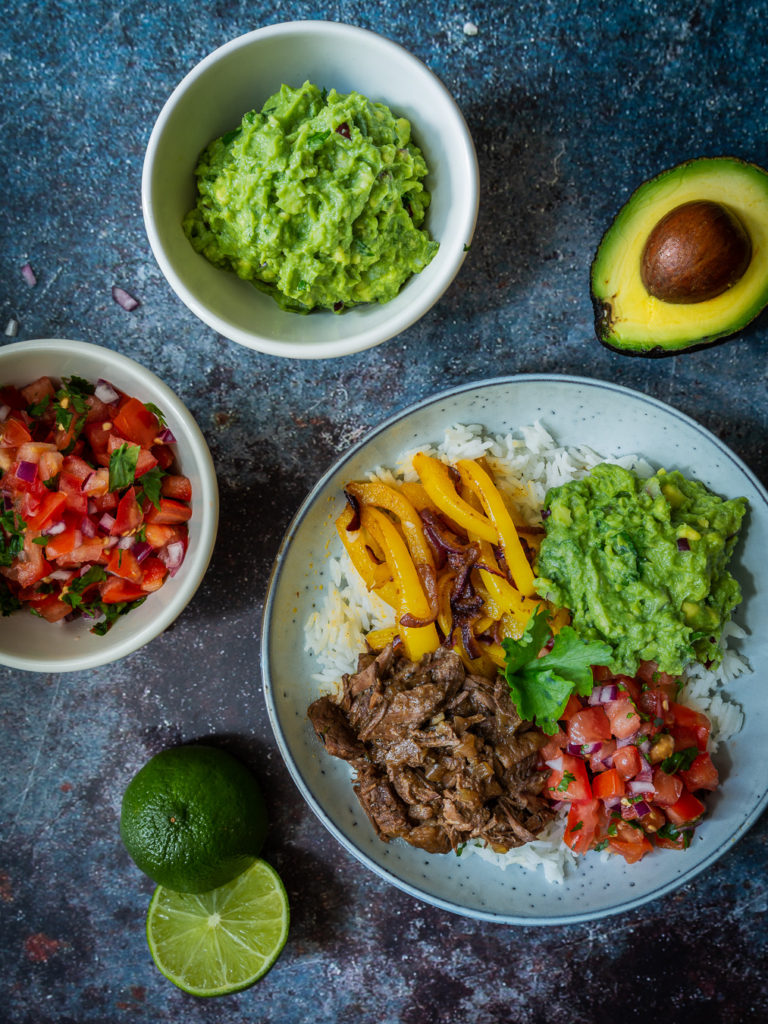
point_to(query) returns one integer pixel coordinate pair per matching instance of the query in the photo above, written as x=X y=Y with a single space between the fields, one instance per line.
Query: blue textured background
x=570 y=106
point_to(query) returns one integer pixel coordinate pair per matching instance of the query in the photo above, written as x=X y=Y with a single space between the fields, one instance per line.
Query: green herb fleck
x=122 y=466
x=681 y=760
x=12 y=528
x=567 y=779
x=73 y=592
x=158 y=413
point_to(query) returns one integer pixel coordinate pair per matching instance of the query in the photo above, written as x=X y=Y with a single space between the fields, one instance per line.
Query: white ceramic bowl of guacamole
x=239 y=77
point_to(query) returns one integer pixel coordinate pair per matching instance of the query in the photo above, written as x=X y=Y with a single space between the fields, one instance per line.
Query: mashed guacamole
x=318 y=199
x=641 y=564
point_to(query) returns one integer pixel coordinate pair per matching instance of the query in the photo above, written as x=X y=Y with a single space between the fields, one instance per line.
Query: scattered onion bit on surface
x=29 y=275
x=12 y=328
x=124 y=299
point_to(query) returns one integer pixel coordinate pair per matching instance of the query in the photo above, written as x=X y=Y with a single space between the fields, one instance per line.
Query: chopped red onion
x=646 y=771
x=106 y=522
x=125 y=543
x=166 y=436
x=172 y=555
x=88 y=527
x=612 y=803
x=556 y=764
x=604 y=694
x=84 y=569
x=29 y=275
x=60 y=574
x=141 y=550
x=683 y=544
x=54 y=529
x=642 y=808
x=639 y=786
x=4 y=412
x=26 y=471
x=122 y=298
x=625 y=741
x=584 y=749
x=105 y=392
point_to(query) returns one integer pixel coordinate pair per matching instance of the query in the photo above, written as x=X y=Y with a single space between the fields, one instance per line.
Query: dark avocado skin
x=603 y=318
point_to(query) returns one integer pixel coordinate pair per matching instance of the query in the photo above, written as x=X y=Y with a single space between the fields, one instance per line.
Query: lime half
x=220 y=941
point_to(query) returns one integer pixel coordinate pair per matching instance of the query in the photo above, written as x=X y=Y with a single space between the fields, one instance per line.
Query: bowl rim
x=268 y=687
x=197 y=558
x=375 y=335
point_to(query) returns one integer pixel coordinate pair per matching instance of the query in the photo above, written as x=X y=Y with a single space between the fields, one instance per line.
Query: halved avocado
x=628 y=318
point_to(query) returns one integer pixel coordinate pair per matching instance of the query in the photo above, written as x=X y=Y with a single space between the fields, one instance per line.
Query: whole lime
x=193 y=818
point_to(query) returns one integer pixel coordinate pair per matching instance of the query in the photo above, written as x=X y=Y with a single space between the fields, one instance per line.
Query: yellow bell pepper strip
x=480 y=483
x=418 y=497
x=504 y=596
x=378 y=639
x=374 y=492
x=376 y=575
x=438 y=484
x=411 y=599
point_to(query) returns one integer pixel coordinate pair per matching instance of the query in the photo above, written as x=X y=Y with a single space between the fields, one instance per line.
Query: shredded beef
x=440 y=756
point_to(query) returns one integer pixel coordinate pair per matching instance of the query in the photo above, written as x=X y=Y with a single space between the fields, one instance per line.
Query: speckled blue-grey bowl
x=614 y=421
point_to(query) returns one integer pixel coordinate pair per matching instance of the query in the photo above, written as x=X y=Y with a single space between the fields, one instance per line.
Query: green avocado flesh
x=642 y=564
x=318 y=200
x=628 y=318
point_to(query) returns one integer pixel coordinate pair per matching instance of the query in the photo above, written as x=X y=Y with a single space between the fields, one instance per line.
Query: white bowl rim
x=373 y=335
x=196 y=559
x=301 y=783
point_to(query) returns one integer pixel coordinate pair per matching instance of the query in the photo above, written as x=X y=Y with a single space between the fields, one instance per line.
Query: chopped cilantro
x=8 y=601
x=37 y=410
x=111 y=613
x=151 y=482
x=612 y=829
x=73 y=592
x=567 y=779
x=579 y=825
x=541 y=687
x=680 y=760
x=52 y=483
x=158 y=413
x=12 y=528
x=668 y=831
x=316 y=139
x=122 y=466
x=602 y=845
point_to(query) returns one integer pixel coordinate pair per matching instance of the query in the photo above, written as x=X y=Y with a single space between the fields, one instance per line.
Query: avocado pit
x=696 y=252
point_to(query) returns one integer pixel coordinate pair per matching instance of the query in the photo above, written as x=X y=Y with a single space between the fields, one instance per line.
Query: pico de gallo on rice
x=93 y=512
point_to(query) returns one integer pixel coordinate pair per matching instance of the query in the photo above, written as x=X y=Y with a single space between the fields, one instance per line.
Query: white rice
x=525 y=466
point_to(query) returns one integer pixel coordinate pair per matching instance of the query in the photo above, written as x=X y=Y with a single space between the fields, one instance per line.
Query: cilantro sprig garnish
x=73 y=592
x=540 y=688
x=111 y=613
x=151 y=482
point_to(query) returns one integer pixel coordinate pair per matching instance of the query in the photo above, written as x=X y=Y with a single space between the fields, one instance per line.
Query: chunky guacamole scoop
x=317 y=199
x=642 y=564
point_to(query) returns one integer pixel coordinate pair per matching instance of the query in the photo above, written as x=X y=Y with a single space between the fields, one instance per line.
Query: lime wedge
x=220 y=941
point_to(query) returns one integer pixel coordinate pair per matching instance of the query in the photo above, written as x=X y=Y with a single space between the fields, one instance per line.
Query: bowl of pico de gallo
x=108 y=505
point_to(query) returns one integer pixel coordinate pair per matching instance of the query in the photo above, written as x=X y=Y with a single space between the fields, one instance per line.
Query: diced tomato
x=685 y=738
x=135 y=422
x=702 y=774
x=159 y=534
x=114 y=590
x=584 y=818
x=608 y=784
x=687 y=809
x=573 y=707
x=100 y=412
x=33 y=568
x=631 y=850
x=170 y=512
x=91 y=550
x=164 y=455
x=65 y=541
x=14 y=433
x=667 y=842
x=128 y=516
x=50 y=510
x=589 y=726
x=601 y=673
x=623 y=716
x=52 y=608
x=124 y=564
x=75 y=469
x=667 y=789
x=654 y=703
x=153 y=573
x=598 y=759
x=65 y=439
x=97 y=484
x=176 y=486
x=49 y=465
x=104 y=502
x=687 y=718
x=570 y=781
x=97 y=434
x=548 y=753
x=627 y=761
x=38 y=390
x=628 y=686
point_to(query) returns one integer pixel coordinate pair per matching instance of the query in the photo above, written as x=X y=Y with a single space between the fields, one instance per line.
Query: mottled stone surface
x=570 y=106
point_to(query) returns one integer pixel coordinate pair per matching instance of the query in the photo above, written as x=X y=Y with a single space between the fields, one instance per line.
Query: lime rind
x=214 y=943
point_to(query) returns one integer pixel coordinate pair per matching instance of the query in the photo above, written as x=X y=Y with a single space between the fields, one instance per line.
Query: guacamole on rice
x=642 y=564
x=317 y=199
